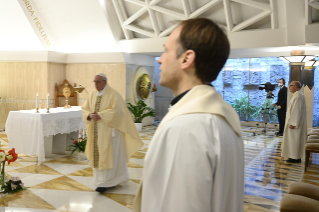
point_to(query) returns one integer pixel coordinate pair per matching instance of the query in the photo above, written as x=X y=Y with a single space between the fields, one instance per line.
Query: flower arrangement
x=78 y=145
x=14 y=184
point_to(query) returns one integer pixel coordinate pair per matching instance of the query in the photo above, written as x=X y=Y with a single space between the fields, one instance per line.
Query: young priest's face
x=170 y=64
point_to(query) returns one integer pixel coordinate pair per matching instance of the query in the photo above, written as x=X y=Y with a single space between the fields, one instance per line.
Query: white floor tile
x=87 y=181
x=25 y=164
x=38 y=179
x=66 y=168
x=21 y=175
x=146 y=141
x=79 y=201
x=135 y=173
x=10 y=168
x=137 y=161
x=3 y=142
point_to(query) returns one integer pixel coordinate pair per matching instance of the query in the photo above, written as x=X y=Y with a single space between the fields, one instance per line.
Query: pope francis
x=112 y=135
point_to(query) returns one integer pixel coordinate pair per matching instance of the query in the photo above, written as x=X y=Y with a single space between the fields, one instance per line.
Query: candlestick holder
x=48 y=110
x=37 y=110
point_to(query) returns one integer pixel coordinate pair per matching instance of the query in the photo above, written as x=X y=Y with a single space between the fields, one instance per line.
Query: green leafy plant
x=241 y=106
x=244 y=108
x=77 y=145
x=140 y=111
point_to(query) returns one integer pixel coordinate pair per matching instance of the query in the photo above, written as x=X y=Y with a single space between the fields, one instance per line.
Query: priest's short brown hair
x=210 y=44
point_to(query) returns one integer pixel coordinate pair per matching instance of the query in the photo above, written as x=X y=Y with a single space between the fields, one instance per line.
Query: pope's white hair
x=102 y=75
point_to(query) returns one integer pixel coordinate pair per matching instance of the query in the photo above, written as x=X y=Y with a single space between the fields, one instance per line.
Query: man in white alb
x=112 y=135
x=195 y=161
x=295 y=134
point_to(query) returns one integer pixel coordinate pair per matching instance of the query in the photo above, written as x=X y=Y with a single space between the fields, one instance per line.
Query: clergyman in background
x=295 y=134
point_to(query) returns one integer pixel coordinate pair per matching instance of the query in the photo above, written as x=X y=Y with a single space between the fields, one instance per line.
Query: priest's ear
x=188 y=59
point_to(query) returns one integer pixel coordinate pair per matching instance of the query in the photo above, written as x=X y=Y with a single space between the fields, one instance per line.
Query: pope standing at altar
x=112 y=135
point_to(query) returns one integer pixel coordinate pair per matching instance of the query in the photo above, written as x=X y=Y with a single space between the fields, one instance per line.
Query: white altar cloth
x=26 y=129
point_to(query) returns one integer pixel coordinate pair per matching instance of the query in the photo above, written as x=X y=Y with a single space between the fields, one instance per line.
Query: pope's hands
x=95 y=116
x=278 y=107
x=291 y=127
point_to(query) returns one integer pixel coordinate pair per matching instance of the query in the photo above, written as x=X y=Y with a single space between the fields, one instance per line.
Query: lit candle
x=37 y=101
x=48 y=100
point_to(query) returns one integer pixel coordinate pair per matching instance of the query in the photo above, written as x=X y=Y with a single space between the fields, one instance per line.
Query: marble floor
x=64 y=183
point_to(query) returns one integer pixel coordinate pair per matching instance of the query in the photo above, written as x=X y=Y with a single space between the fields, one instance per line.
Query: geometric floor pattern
x=65 y=183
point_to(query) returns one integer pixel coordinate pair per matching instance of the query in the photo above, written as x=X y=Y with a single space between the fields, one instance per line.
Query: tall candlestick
x=48 y=101
x=37 y=101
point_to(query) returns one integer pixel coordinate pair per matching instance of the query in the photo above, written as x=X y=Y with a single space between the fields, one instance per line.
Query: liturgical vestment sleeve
x=86 y=112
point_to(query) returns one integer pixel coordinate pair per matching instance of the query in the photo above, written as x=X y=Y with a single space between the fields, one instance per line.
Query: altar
x=42 y=134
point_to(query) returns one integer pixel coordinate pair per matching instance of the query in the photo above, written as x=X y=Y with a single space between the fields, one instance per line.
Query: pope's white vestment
x=119 y=173
x=111 y=140
x=293 y=145
x=195 y=162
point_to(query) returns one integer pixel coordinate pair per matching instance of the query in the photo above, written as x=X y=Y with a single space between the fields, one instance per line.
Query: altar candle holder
x=37 y=110
x=48 y=110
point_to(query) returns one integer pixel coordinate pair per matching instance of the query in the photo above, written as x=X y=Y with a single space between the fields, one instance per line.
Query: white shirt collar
x=100 y=93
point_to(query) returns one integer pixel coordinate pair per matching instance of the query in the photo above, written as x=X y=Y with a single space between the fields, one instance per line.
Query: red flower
x=74 y=141
x=14 y=156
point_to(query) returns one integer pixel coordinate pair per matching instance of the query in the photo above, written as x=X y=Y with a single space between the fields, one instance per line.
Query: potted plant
x=139 y=112
x=79 y=147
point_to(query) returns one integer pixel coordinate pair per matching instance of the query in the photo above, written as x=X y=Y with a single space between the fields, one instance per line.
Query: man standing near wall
x=281 y=106
x=112 y=135
x=195 y=161
x=295 y=135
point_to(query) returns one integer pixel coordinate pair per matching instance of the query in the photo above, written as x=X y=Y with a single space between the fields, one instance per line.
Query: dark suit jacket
x=282 y=98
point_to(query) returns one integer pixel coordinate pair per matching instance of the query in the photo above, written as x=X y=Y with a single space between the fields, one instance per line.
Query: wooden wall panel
x=83 y=74
x=23 y=80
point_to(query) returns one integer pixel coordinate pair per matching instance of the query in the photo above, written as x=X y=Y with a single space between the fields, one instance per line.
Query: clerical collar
x=100 y=93
x=179 y=97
